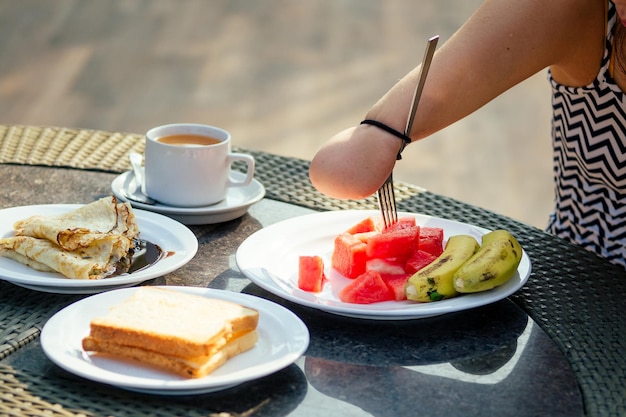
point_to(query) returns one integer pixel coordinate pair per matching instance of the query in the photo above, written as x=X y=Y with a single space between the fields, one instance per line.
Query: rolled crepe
x=79 y=228
x=92 y=242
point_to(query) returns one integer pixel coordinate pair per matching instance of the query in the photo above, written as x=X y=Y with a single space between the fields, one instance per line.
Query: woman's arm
x=502 y=44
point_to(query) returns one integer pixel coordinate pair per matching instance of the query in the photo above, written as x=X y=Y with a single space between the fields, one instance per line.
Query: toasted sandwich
x=187 y=334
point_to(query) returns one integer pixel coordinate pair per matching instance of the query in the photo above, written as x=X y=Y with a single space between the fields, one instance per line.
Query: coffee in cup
x=189 y=165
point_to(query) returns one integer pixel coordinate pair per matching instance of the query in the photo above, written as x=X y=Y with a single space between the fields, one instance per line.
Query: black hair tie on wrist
x=405 y=139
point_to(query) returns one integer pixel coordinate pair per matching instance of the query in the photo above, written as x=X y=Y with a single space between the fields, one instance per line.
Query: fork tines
x=387 y=202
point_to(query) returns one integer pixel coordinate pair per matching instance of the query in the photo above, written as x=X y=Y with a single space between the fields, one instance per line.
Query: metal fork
x=386 y=194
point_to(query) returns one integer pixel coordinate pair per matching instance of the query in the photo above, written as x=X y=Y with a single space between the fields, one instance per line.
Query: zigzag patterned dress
x=589 y=142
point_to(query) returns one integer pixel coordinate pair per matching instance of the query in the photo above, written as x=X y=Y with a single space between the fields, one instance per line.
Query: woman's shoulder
x=582 y=29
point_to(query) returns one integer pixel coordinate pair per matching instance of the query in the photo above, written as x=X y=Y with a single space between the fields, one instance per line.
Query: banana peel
x=492 y=265
x=435 y=281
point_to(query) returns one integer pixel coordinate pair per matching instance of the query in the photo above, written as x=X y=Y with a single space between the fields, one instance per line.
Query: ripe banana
x=434 y=282
x=494 y=264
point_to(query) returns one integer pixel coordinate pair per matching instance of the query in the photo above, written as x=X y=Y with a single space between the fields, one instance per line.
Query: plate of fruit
x=348 y=263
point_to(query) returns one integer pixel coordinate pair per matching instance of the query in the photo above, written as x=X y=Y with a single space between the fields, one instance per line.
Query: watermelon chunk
x=349 y=255
x=418 y=260
x=431 y=240
x=365 y=225
x=311 y=273
x=402 y=223
x=385 y=266
x=396 y=283
x=364 y=236
x=393 y=274
x=367 y=288
x=394 y=243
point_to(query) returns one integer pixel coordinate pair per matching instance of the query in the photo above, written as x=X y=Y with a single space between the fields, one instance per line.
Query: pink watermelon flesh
x=311 y=273
x=367 y=288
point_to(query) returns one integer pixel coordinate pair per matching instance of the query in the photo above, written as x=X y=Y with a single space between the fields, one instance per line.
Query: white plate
x=168 y=234
x=269 y=257
x=235 y=205
x=283 y=338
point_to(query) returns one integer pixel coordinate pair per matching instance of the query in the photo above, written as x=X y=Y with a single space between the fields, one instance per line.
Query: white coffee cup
x=188 y=165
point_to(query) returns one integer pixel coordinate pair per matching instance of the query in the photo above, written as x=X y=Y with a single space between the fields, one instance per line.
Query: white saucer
x=235 y=205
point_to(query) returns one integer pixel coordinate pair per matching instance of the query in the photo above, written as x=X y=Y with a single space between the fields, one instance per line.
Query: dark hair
x=619 y=46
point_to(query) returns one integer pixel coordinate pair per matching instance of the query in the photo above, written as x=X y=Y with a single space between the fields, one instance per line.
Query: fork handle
x=421 y=80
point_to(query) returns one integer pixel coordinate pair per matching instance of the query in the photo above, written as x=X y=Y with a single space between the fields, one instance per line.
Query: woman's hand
x=354 y=163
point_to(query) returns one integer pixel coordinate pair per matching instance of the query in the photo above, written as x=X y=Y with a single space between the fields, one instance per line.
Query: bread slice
x=186 y=367
x=166 y=323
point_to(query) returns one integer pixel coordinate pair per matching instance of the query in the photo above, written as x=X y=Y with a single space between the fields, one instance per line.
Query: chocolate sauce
x=146 y=254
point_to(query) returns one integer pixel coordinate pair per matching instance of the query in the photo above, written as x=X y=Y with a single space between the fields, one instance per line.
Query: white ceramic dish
x=283 y=338
x=235 y=205
x=269 y=258
x=168 y=234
